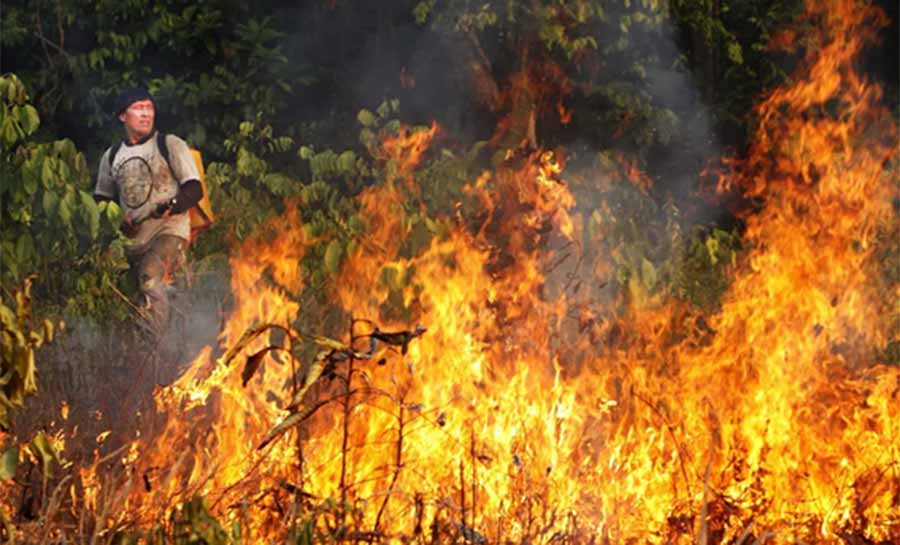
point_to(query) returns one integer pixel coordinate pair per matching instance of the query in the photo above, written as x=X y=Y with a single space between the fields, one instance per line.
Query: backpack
x=201 y=215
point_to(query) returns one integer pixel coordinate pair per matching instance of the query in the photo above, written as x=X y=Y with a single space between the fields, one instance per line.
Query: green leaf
x=9 y=133
x=9 y=461
x=50 y=203
x=384 y=109
x=92 y=214
x=45 y=450
x=305 y=153
x=347 y=161
x=648 y=273
x=366 y=118
x=245 y=162
x=24 y=248
x=712 y=249
x=31 y=166
x=29 y=184
x=595 y=223
x=333 y=256
x=48 y=331
x=735 y=53
x=48 y=174
x=65 y=210
x=113 y=212
x=29 y=119
x=422 y=10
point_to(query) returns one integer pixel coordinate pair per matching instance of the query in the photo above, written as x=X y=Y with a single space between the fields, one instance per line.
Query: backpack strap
x=160 y=143
x=112 y=153
x=163 y=147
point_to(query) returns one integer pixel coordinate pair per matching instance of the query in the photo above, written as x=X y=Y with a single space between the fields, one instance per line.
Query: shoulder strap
x=112 y=153
x=160 y=143
x=163 y=147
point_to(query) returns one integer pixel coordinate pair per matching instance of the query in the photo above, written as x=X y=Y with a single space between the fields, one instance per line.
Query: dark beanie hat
x=130 y=96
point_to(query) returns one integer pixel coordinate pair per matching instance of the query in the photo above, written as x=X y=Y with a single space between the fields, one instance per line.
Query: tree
x=211 y=65
x=51 y=224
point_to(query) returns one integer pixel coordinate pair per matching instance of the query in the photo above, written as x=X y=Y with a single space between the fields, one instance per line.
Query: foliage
x=265 y=175
x=248 y=188
x=189 y=524
x=18 y=376
x=564 y=25
x=612 y=53
x=653 y=247
x=52 y=226
x=655 y=250
x=737 y=37
x=18 y=380
x=192 y=523
x=211 y=65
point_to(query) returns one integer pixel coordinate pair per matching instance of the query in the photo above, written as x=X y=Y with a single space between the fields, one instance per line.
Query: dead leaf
x=292 y=420
x=253 y=363
x=330 y=343
x=312 y=375
x=245 y=339
x=399 y=338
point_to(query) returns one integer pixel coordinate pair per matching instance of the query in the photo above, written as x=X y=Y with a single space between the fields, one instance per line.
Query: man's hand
x=129 y=227
x=163 y=210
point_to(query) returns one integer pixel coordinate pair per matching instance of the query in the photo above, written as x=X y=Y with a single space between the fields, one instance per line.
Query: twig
x=124 y=297
x=52 y=505
x=398 y=464
x=762 y=539
x=59 y=25
x=111 y=455
x=40 y=34
x=746 y=534
x=346 y=425
x=474 y=474
x=557 y=263
x=462 y=497
x=671 y=431
x=294 y=389
x=703 y=530
x=44 y=40
x=140 y=376
x=574 y=274
x=417 y=517
x=235 y=484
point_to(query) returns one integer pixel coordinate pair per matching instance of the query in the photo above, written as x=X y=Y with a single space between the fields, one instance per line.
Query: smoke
x=105 y=370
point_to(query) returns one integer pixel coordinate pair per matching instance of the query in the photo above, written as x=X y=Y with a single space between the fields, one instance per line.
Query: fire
x=505 y=422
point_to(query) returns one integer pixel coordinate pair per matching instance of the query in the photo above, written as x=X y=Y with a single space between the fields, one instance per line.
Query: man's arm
x=189 y=194
x=181 y=162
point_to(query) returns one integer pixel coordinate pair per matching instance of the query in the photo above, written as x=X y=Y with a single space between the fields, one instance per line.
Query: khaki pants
x=154 y=269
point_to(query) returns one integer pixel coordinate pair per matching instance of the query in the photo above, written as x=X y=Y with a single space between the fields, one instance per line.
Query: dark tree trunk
x=477 y=70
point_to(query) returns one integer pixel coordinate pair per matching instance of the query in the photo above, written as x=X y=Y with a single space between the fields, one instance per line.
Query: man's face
x=138 y=119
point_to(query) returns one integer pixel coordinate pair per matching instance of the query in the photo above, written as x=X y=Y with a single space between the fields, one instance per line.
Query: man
x=154 y=194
